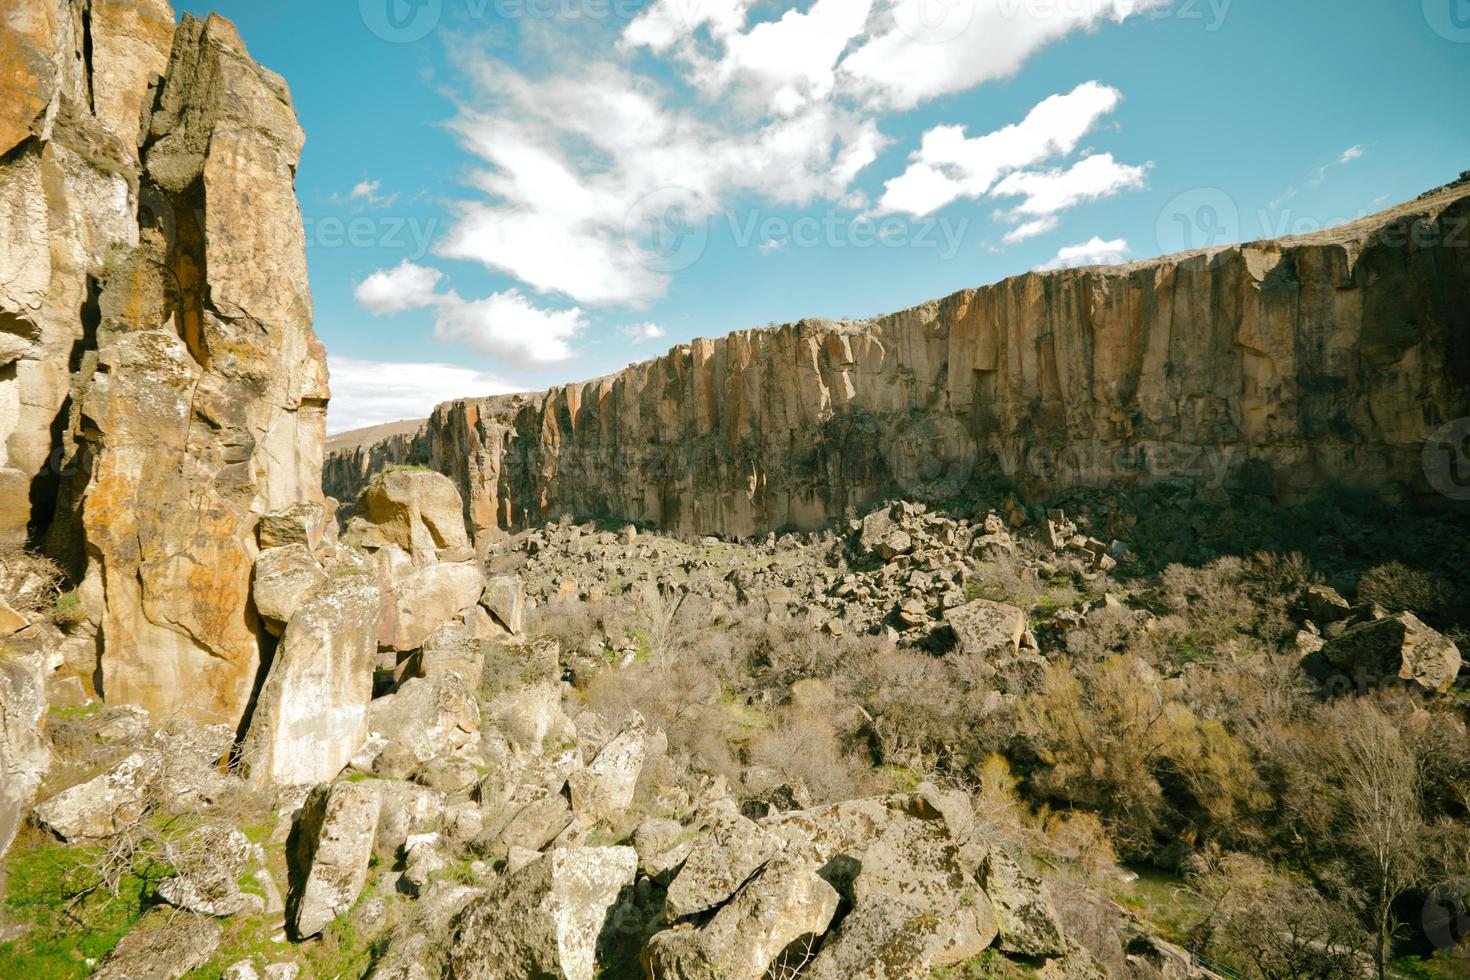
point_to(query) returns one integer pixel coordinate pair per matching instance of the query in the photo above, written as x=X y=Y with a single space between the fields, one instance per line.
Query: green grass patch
x=55 y=891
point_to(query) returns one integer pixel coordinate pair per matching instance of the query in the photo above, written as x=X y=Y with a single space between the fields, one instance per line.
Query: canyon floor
x=966 y=738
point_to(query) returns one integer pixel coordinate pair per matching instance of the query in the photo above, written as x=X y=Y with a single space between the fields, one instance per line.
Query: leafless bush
x=29 y=583
x=1398 y=588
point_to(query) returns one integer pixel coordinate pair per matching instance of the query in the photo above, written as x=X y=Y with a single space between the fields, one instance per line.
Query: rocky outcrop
x=161 y=387
x=25 y=755
x=1280 y=366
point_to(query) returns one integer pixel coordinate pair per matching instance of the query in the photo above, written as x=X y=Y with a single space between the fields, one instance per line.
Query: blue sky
x=506 y=194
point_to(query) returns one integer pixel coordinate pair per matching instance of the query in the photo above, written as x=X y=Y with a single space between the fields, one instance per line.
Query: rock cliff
x=160 y=385
x=1285 y=366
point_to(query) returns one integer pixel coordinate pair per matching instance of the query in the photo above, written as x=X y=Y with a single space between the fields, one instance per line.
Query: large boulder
x=106 y=803
x=330 y=848
x=284 y=577
x=1027 y=922
x=420 y=598
x=311 y=715
x=427 y=718
x=604 y=788
x=164 y=944
x=1398 y=646
x=418 y=510
x=543 y=920
x=25 y=755
x=987 y=628
x=728 y=852
x=505 y=599
x=884 y=939
x=786 y=900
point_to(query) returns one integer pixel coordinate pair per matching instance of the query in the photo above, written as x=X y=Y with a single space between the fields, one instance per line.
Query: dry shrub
x=1399 y=588
x=29 y=583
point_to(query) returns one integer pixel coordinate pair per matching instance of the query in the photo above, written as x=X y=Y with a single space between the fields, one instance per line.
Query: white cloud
x=1047 y=193
x=505 y=324
x=404 y=287
x=576 y=163
x=774 y=245
x=365 y=194
x=1347 y=156
x=948 y=166
x=641 y=332
x=367 y=188
x=1093 y=252
x=724 y=100
x=366 y=392
x=909 y=56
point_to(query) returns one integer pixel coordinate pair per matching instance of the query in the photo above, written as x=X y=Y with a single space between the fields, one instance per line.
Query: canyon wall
x=1283 y=367
x=160 y=385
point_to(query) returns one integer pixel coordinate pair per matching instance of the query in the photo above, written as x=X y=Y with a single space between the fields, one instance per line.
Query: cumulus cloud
x=948 y=165
x=1092 y=252
x=505 y=323
x=1050 y=192
x=404 y=287
x=721 y=100
x=909 y=56
x=366 y=392
x=641 y=332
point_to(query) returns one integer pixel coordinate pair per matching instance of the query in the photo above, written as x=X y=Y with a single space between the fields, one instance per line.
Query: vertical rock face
x=1286 y=365
x=160 y=384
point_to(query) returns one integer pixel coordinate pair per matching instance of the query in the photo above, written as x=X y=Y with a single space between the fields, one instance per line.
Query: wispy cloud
x=642 y=332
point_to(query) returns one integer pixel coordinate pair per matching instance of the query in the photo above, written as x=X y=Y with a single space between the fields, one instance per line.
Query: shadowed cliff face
x=1284 y=366
x=1288 y=365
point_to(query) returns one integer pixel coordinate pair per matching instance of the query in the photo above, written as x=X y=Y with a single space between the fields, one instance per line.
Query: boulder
x=164 y=944
x=308 y=523
x=723 y=857
x=1398 y=646
x=1026 y=921
x=986 y=628
x=604 y=789
x=1324 y=604
x=405 y=809
x=209 y=863
x=531 y=819
x=883 y=939
x=662 y=846
x=453 y=648
x=418 y=510
x=311 y=714
x=786 y=900
x=430 y=717
x=11 y=622
x=104 y=804
x=284 y=577
x=545 y=919
x=505 y=598
x=331 y=845
x=25 y=755
x=419 y=599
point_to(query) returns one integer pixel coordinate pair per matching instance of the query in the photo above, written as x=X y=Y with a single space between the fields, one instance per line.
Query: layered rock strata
x=1282 y=366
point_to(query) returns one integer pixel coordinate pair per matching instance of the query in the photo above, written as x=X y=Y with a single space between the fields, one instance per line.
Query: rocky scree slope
x=1292 y=365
